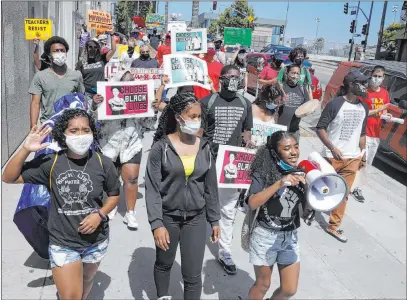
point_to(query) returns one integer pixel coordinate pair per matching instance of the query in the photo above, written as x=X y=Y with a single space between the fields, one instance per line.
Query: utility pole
x=166 y=15
x=353 y=33
x=395 y=9
x=286 y=16
x=368 y=27
x=379 y=40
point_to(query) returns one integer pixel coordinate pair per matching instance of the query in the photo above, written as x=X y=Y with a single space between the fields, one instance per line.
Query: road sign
x=250 y=18
x=358 y=35
x=242 y=36
x=353 y=12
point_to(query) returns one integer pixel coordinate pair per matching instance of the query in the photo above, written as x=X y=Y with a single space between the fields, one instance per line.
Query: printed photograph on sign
x=261 y=131
x=123 y=100
x=40 y=29
x=154 y=74
x=189 y=41
x=233 y=167
x=154 y=21
x=186 y=69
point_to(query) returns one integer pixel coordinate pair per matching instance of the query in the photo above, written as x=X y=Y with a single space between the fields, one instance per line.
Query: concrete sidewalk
x=371 y=265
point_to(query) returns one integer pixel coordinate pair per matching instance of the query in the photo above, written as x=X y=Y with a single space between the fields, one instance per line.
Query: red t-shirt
x=268 y=73
x=161 y=51
x=214 y=69
x=375 y=100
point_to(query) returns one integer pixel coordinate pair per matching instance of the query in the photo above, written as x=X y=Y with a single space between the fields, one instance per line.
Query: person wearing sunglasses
x=144 y=61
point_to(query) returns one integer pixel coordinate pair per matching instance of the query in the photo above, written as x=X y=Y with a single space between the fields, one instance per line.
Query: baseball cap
x=355 y=75
x=211 y=45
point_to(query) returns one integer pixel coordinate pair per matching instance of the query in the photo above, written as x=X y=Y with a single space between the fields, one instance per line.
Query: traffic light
x=363 y=43
x=352 y=26
x=346 y=8
x=281 y=29
x=364 y=29
x=214 y=5
x=350 y=41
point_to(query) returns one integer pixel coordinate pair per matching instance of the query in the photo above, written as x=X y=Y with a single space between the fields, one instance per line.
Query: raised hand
x=34 y=140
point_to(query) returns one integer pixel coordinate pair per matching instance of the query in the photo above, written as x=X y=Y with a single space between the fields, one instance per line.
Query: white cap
x=145 y=38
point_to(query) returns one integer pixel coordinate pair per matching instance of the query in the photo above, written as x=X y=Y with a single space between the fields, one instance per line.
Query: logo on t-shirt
x=74 y=187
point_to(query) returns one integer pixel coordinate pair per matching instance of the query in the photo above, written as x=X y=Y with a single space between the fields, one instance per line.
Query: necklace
x=69 y=165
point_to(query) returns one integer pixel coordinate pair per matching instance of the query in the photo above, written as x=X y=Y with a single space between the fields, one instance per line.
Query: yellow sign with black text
x=38 y=29
x=100 y=21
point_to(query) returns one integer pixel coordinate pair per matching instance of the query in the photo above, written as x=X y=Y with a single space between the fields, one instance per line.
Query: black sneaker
x=227 y=263
x=357 y=194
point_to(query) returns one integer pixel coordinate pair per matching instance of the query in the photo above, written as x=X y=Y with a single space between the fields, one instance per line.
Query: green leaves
x=389 y=34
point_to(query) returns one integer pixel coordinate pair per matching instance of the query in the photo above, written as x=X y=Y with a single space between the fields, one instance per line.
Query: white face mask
x=79 y=144
x=59 y=58
x=190 y=127
x=376 y=81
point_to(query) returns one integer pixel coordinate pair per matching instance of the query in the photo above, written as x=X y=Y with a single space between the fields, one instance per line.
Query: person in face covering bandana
x=145 y=61
x=342 y=130
x=268 y=75
x=227 y=115
x=377 y=101
x=52 y=83
x=296 y=95
x=77 y=179
x=181 y=195
x=130 y=55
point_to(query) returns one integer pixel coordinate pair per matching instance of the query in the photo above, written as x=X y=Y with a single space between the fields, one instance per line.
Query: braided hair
x=167 y=122
x=265 y=161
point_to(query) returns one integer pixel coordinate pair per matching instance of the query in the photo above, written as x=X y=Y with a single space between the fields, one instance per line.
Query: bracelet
x=102 y=216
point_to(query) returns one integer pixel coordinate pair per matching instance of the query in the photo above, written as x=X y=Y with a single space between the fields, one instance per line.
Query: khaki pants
x=346 y=168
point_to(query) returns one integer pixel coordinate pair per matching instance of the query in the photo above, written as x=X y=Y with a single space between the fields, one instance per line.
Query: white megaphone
x=326 y=189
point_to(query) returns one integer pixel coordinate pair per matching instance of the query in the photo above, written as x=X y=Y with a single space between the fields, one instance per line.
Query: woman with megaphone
x=276 y=193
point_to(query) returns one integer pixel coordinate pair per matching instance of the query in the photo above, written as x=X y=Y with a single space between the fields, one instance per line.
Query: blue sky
x=333 y=27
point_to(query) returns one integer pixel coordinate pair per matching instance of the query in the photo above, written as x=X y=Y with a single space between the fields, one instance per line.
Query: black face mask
x=359 y=89
x=144 y=56
x=277 y=64
x=92 y=53
x=299 y=61
x=217 y=46
x=130 y=49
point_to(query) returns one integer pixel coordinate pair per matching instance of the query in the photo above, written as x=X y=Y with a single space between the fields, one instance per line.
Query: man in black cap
x=220 y=55
x=342 y=130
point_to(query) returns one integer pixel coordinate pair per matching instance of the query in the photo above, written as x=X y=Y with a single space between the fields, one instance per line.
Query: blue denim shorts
x=268 y=247
x=60 y=256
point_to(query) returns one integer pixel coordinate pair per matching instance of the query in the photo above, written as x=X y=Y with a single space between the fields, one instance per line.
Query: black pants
x=191 y=234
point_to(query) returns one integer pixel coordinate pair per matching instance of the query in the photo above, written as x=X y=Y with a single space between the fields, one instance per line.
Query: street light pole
x=286 y=16
x=368 y=27
x=316 y=34
x=395 y=10
x=353 y=33
x=379 y=41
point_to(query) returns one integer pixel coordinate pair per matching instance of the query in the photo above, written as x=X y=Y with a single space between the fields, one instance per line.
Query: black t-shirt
x=280 y=212
x=92 y=72
x=226 y=120
x=74 y=194
x=296 y=96
x=150 y=63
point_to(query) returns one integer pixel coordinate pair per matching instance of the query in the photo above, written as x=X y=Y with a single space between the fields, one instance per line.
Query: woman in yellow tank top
x=181 y=194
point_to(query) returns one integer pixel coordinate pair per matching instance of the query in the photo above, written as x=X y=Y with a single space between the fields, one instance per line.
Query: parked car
x=393 y=136
x=251 y=60
x=273 y=49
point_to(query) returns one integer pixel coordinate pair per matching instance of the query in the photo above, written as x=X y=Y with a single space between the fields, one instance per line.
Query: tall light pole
x=317 y=20
x=286 y=16
x=380 y=39
x=395 y=10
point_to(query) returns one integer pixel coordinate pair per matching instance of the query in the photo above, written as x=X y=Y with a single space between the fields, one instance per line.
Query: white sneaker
x=165 y=298
x=112 y=214
x=130 y=220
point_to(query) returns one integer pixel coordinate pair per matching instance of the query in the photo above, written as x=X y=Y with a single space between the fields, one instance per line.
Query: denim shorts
x=268 y=247
x=60 y=256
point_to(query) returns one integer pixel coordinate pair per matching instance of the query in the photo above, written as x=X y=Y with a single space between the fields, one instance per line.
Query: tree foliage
x=240 y=10
x=319 y=44
x=127 y=9
x=389 y=34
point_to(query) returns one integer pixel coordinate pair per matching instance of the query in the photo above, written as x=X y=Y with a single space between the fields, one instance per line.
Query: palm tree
x=195 y=12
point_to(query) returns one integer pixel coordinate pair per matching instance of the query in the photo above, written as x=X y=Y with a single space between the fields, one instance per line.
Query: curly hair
x=265 y=161
x=54 y=40
x=167 y=123
x=83 y=60
x=297 y=50
x=268 y=95
x=58 y=132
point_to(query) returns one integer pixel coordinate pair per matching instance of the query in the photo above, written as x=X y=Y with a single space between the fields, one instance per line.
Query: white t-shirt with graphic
x=345 y=123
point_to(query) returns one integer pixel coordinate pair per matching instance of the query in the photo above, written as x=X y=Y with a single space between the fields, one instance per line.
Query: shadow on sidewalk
x=36 y=262
x=141 y=276
x=100 y=285
x=217 y=281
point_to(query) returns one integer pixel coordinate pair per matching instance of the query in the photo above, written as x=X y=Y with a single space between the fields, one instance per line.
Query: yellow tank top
x=189 y=163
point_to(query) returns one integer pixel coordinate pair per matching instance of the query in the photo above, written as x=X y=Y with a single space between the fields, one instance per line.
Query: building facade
x=17 y=56
x=266 y=31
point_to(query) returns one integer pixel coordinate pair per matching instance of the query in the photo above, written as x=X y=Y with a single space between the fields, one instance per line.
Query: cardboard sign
x=241 y=36
x=148 y=74
x=125 y=100
x=185 y=69
x=155 y=21
x=261 y=131
x=38 y=29
x=233 y=167
x=100 y=21
x=189 y=41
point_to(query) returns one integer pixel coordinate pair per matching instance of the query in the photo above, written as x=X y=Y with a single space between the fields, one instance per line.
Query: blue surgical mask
x=285 y=166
